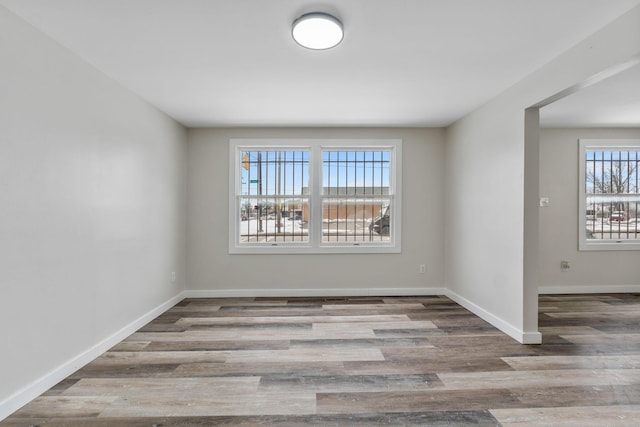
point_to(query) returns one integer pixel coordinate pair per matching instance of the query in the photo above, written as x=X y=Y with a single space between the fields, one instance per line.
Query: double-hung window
x=315 y=196
x=609 y=195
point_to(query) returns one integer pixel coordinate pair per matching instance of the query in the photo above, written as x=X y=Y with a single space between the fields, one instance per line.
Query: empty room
x=355 y=212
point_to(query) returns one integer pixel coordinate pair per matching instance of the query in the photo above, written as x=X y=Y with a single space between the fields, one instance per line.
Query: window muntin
x=609 y=195
x=314 y=196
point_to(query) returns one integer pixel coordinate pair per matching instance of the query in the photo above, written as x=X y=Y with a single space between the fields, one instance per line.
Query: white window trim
x=599 y=245
x=315 y=146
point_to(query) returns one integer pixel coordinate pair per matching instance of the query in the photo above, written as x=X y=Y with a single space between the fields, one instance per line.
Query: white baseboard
x=506 y=327
x=329 y=292
x=42 y=384
x=589 y=289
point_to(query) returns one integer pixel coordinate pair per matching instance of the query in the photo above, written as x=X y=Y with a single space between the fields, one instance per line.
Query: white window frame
x=585 y=244
x=315 y=148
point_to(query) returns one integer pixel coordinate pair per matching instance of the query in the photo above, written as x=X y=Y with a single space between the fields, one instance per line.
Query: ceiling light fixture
x=317 y=31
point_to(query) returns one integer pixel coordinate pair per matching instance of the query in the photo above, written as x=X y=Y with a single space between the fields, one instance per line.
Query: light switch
x=544 y=202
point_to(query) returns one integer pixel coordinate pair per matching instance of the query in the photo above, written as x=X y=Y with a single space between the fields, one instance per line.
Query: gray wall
x=590 y=270
x=212 y=270
x=92 y=217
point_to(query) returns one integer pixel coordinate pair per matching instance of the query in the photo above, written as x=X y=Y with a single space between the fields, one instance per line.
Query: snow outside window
x=314 y=196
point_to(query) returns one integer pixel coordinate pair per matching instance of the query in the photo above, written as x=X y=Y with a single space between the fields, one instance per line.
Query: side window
x=609 y=195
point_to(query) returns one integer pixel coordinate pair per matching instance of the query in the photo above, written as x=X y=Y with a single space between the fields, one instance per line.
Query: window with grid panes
x=314 y=196
x=609 y=195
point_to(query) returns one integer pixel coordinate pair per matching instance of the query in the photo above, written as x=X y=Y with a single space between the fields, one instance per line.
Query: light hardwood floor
x=358 y=362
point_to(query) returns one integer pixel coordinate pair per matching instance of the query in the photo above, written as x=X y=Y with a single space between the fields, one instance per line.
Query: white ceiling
x=402 y=62
x=614 y=102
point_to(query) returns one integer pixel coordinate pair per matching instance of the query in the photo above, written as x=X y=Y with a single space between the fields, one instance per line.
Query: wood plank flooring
x=421 y=361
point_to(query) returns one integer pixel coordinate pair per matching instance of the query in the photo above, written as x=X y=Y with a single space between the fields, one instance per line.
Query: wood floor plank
x=591 y=416
x=601 y=338
x=261 y=369
x=130 y=346
x=603 y=395
x=392 y=307
x=349 y=383
x=163 y=387
x=190 y=308
x=309 y=355
x=569 y=330
x=426 y=365
x=66 y=406
x=377 y=342
x=377 y=325
x=444 y=353
x=218 y=345
x=240 y=334
x=574 y=362
x=125 y=371
x=114 y=358
x=604 y=314
x=410 y=401
x=241 y=320
x=231 y=404
x=538 y=378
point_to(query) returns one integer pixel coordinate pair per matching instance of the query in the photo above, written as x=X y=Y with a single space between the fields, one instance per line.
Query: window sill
x=281 y=249
x=613 y=245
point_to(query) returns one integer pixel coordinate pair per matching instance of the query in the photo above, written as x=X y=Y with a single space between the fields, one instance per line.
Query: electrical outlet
x=423 y=268
x=565 y=266
x=173 y=277
x=544 y=202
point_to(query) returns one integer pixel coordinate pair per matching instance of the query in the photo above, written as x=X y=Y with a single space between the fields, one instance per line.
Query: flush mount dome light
x=317 y=30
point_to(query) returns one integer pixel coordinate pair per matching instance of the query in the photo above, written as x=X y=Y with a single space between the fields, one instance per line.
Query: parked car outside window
x=618 y=216
x=380 y=224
